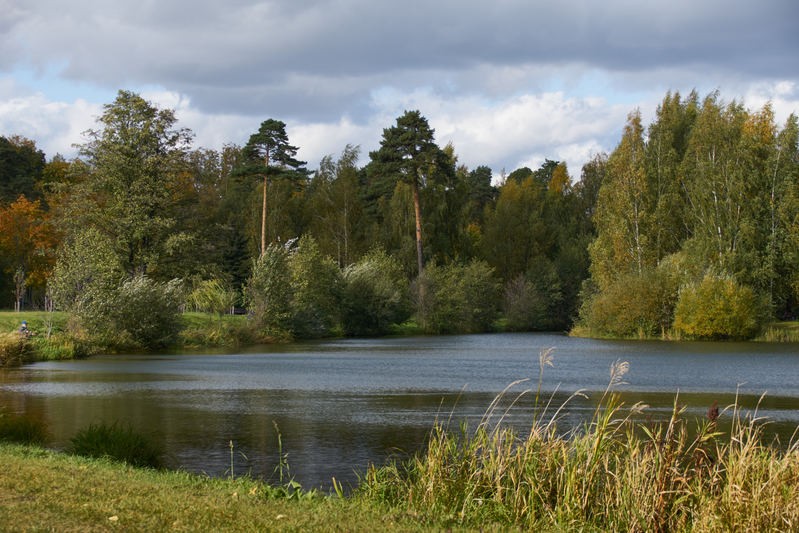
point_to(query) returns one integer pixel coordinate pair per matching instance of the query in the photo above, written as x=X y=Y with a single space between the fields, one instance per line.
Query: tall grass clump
x=611 y=474
x=22 y=429
x=13 y=348
x=116 y=442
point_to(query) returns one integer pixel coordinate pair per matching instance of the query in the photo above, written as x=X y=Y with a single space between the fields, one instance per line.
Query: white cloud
x=55 y=126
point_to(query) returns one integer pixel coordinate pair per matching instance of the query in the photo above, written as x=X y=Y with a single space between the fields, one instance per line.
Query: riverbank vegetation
x=688 y=229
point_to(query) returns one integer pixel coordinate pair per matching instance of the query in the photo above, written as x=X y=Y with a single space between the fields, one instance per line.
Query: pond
x=340 y=405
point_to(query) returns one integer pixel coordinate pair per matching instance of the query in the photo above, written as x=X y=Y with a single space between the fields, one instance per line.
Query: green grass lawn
x=38 y=321
x=41 y=490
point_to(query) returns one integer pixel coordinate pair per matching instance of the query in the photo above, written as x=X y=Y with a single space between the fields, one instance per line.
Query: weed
x=13 y=348
x=116 y=442
x=22 y=429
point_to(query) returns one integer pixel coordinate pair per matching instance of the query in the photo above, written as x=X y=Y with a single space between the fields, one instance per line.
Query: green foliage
x=212 y=296
x=375 y=295
x=531 y=301
x=13 y=348
x=719 y=308
x=633 y=306
x=87 y=264
x=116 y=442
x=21 y=168
x=22 y=429
x=458 y=298
x=138 y=313
x=268 y=292
x=135 y=162
x=316 y=291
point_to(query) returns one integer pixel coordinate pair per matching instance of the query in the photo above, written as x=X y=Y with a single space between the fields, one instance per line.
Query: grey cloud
x=320 y=58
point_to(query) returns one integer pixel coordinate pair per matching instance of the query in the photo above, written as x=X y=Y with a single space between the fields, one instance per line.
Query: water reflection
x=340 y=405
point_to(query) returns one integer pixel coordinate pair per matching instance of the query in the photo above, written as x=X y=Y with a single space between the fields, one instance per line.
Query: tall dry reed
x=611 y=474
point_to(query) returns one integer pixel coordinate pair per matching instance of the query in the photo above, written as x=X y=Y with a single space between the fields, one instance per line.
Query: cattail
x=713 y=412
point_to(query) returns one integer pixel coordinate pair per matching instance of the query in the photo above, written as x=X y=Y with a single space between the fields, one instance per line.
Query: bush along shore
x=610 y=474
x=54 y=335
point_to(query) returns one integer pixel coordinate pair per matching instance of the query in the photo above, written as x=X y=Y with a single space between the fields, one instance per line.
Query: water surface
x=340 y=405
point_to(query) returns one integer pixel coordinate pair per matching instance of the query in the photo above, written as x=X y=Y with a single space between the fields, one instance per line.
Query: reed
x=13 y=349
x=611 y=474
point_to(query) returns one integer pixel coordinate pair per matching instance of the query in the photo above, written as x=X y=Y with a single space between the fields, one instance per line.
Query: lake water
x=340 y=405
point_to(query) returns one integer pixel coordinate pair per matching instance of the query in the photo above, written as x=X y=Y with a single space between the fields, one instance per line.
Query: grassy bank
x=42 y=490
x=786 y=331
x=609 y=475
x=781 y=332
x=51 y=340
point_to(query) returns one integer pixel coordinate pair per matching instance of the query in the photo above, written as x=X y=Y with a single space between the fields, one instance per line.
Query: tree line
x=141 y=219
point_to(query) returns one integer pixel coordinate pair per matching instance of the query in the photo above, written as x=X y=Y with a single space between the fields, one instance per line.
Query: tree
x=408 y=153
x=714 y=183
x=21 y=168
x=316 y=291
x=269 y=154
x=786 y=169
x=335 y=212
x=667 y=141
x=622 y=217
x=134 y=165
x=516 y=231
x=87 y=264
x=27 y=245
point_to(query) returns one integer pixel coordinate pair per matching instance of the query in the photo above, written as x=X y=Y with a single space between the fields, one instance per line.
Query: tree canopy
x=704 y=200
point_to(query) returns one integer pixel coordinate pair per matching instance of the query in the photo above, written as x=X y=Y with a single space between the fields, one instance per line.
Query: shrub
x=22 y=429
x=719 y=308
x=633 y=306
x=268 y=291
x=13 y=348
x=531 y=302
x=115 y=442
x=107 y=306
x=316 y=291
x=458 y=298
x=139 y=313
x=212 y=296
x=375 y=295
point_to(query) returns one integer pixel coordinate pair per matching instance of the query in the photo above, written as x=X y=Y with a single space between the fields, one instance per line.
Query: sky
x=509 y=83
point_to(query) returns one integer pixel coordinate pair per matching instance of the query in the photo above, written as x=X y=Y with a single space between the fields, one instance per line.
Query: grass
x=610 y=475
x=21 y=429
x=52 y=340
x=781 y=332
x=116 y=442
x=41 y=490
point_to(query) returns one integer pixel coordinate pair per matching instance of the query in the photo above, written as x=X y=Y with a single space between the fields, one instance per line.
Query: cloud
x=508 y=82
x=306 y=59
x=55 y=126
